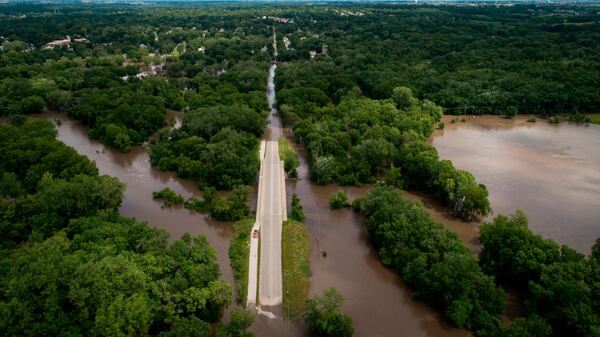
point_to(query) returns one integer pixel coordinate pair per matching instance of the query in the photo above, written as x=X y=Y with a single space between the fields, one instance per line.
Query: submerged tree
x=323 y=315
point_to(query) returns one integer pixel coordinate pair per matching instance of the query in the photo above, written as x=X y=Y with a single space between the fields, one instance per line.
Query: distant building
x=66 y=42
x=286 y=42
x=57 y=43
x=278 y=19
x=281 y=20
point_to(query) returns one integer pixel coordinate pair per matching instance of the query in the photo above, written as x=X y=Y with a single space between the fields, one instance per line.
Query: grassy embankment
x=594 y=118
x=296 y=267
x=239 y=251
x=288 y=154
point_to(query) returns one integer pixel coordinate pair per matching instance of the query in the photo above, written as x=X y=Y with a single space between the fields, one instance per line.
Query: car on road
x=255 y=233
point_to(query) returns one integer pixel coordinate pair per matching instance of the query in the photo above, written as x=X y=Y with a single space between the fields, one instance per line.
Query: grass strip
x=296 y=267
x=239 y=252
x=594 y=118
x=288 y=154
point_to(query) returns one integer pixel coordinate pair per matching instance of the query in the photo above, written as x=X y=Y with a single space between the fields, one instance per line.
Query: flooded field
x=550 y=171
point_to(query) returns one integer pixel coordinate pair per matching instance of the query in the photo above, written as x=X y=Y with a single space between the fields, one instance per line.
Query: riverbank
x=594 y=118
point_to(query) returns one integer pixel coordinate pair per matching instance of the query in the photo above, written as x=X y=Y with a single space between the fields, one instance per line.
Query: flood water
x=133 y=168
x=378 y=301
x=550 y=171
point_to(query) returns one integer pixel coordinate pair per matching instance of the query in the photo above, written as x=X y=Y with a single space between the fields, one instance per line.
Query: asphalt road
x=271 y=218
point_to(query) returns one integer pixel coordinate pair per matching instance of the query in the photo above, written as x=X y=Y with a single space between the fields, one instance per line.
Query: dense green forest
x=362 y=87
x=72 y=265
x=537 y=59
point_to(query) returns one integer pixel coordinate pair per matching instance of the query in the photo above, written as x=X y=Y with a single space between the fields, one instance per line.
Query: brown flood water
x=550 y=171
x=133 y=168
x=377 y=299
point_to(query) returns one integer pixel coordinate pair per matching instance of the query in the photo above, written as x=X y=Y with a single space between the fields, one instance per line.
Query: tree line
x=533 y=59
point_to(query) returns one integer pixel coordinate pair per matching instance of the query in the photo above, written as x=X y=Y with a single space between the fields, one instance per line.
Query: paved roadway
x=272 y=214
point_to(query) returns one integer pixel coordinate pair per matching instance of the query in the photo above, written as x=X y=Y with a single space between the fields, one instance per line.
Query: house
x=66 y=42
x=58 y=43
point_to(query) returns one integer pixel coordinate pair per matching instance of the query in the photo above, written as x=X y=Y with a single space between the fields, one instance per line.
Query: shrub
x=289 y=157
x=553 y=119
x=168 y=196
x=338 y=199
x=297 y=212
x=202 y=205
x=510 y=112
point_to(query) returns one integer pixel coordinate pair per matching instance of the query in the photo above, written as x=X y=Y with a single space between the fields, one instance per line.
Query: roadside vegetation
x=289 y=156
x=323 y=316
x=295 y=252
x=72 y=265
x=297 y=209
x=240 y=321
x=231 y=208
x=239 y=253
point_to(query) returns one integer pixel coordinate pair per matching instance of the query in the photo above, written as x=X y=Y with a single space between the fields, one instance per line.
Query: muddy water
x=134 y=169
x=378 y=301
x=550 y=171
